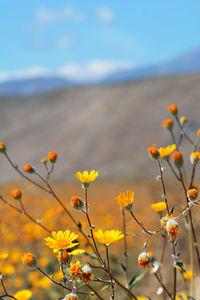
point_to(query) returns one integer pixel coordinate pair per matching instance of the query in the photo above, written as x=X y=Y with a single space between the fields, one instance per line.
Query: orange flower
x=28 y=168
x=29 y=259
x=144 y=259
x=77 y=203
x=154 y=153
x=168 y=124
x=192 y=194
x=52 y=156
x=172 y=228
x=2 y=147
x=198 y=132
x=173 y=109
x=16 y=194
x=125 y=200
x=178 y=159
x=75 y=269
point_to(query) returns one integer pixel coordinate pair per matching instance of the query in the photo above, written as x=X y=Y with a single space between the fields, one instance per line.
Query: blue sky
x=89 y=38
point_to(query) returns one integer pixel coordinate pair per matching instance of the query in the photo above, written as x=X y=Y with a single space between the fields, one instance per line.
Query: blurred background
x=92 y=81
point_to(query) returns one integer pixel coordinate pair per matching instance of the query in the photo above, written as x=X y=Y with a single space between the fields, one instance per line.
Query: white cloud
x=68 y=13
x=105 y=14
x=91 y=71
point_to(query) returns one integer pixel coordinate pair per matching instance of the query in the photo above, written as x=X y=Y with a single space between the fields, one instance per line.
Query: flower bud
x=70 y=296
x=16 y=194
x=153 y=152
x=29 y=260
x=194 y=157
x=77 y=203
x=168 y=124
x=172 y=228
x=75 y=269
x=173 y=109
x=192 y=194
x=63 y=256
x=28 y=168
x=52 y=156
x=143 y=259
x=178 y=159
x=183 y=120
x=2 y=147
x=43 y=160
x=86 y=273
x=198 y=132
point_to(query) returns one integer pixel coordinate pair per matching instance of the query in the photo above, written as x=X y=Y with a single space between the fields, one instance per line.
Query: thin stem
x=24 y=176
x=91 y=228
x=175 y=277
x=163 y=186
x=24 y=212
x=174 y=139
x=108 y=266
x=183 y=131
x=94 y=291
x=140 y=224
x=164 y=247
x=163 y=286
x=172 y=169
x=125 y=245
x=130 y=293
x=59 y=283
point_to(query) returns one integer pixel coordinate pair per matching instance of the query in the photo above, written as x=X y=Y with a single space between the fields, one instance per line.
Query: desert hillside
x=103 y=127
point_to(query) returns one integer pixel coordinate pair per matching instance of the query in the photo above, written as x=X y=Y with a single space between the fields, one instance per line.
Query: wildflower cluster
x=83 y=263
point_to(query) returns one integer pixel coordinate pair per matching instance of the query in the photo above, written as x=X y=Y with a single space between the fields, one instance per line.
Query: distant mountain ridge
x=185 y=64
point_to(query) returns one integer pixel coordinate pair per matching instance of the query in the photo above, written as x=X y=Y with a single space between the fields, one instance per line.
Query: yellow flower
x=159 y=206
x=142 y=298
x=3 y=256
x=187 y=275
x=181 y=296
x=108 y=237
x=125 y=200
x=86 y=177
x=75 y=268
x=62 y=240
x=194 y=157
x=165 y=152
x=23 y=295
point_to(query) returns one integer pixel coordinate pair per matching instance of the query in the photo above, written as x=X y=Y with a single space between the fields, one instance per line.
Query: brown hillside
x=103 y=127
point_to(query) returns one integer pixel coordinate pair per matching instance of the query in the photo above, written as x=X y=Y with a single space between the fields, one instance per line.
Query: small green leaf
x=136 y=278
x=171 y=210
x=187 y=225
x=122 y=266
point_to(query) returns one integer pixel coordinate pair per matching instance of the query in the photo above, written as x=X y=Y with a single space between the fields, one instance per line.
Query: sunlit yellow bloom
x=7 y=269
x=125 y=200
x=187 y=275
x=44 y=282
x=3 y=256
x=86 y=177
x=181 y=296
x=108 y=237
x=167 y=151
x=159 y=206
x=142 y=298
x=62 y=240
x=23 y=295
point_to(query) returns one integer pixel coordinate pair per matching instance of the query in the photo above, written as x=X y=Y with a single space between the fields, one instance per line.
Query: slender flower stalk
x=125 y=244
